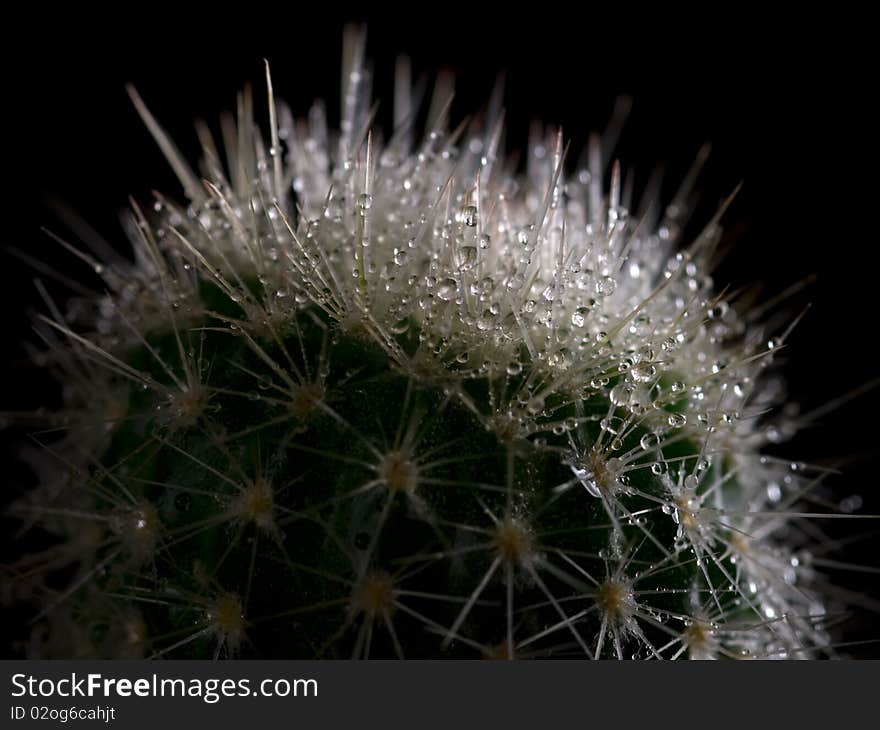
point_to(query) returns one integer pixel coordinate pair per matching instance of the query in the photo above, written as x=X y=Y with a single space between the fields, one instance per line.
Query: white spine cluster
x=547 y=283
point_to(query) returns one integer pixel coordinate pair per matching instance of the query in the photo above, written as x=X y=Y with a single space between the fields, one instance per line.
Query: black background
x=785 y=102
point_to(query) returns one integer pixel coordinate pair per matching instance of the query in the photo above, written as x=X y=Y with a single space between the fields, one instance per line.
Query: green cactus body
x=321 y=485
x=366 y=399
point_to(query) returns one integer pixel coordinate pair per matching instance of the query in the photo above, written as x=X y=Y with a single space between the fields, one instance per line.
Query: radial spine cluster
x=407 y=397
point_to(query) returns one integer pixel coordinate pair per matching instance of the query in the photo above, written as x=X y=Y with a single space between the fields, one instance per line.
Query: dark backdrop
x=785 y=103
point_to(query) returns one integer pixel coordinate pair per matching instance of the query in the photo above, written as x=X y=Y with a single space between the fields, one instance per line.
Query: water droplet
x=649 y=441
x=579 y=316
x=364 y=202
x=605 y=286
x=643 y=372
x=851 y=504
x=620 y=394
x=486 y=321
x=468 y=255
x=717 y=311
x=447 y=289
x=611 y=425
x=677 y=420
x=469 y=216
x=401 y=326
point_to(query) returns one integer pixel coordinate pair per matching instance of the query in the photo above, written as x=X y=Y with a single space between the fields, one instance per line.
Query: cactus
x=366 y=398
